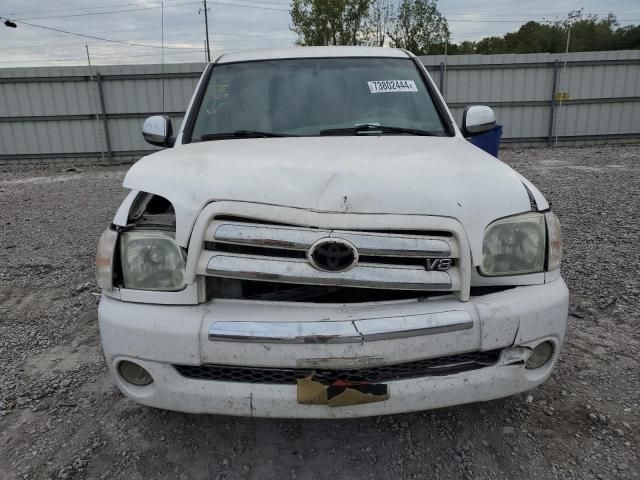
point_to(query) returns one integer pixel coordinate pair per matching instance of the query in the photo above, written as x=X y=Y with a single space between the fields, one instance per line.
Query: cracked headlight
x=151 y=260
x=514 y=245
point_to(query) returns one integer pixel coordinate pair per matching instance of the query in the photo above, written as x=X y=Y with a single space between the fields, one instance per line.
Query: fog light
x=540 y=355
x=134 y=373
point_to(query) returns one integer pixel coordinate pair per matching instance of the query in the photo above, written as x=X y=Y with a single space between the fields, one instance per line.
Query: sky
x=233 y=25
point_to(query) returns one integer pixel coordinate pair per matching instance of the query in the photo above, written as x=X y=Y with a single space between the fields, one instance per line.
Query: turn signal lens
x=104 y=259
x=554 y=240
x=134 y=373
x=540 y=355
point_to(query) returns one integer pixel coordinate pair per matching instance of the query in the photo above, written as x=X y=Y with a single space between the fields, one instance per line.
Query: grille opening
x=479 y=291
x=226 y=288
x=446 y=365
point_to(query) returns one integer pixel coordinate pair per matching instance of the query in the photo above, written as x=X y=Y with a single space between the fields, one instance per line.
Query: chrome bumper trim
x=284 y=332
x=356 y=331
x=414 y=325
x=288 y=270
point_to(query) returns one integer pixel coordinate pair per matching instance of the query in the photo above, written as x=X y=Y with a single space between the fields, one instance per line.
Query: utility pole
x=206 y=28
x=564 y=77
x=162 y=54
x=91 y=98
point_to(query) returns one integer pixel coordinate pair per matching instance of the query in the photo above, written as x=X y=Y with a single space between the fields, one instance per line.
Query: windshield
x=311 y=95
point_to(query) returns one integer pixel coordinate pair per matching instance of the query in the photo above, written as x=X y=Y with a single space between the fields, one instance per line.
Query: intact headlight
x=514 y=245
x=151 y=260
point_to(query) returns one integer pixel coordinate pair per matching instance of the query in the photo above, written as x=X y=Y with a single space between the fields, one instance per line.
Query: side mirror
x=477 y=119
x=157 y=130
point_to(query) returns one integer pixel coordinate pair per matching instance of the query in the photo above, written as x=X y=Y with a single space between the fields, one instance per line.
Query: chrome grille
x=446 y=365
x=245 y=250
x=296 y=238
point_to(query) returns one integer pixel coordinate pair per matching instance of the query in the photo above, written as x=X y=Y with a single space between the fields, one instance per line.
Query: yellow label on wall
x=562 y=96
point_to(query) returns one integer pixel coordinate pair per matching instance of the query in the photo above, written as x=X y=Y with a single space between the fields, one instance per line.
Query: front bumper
x=158 y=337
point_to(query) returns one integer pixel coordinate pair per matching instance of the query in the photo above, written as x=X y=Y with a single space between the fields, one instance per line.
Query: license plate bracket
x=340 y=394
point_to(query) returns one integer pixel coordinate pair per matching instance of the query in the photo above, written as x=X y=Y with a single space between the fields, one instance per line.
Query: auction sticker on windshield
x=392 y=86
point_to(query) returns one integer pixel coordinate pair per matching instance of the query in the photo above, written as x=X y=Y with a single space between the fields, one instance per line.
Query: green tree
x=532 y=37
x=627 y=38
x=419 y=27
x=489 y=45
x=329 y=22
x=588 y=32
x=585 y=32
x=462 y=48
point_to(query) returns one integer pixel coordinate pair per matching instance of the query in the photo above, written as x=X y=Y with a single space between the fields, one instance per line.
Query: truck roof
x=310 y=52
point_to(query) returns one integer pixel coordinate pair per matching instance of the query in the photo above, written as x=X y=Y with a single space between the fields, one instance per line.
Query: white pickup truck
x=322 y=241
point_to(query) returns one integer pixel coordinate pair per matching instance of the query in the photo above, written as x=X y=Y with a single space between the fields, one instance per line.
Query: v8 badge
x=438 y=264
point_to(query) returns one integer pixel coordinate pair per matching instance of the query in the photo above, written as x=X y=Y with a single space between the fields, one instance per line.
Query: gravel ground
x=60 y=416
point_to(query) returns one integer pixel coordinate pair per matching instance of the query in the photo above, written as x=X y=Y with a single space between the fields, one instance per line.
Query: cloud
x=234 y=24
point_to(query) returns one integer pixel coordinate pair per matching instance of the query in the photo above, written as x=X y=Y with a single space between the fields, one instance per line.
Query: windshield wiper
x=241 y=134
x=373 y=128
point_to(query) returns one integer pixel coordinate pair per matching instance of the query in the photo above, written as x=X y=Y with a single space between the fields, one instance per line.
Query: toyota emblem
x=333 y=255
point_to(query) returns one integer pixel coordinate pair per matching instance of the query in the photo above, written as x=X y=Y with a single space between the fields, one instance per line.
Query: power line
x=99 y=57
x=107 y=16
x=248 y=4
x=255 y=4
x=157 y=5
x=138 y=30
x=521 y=21
x=87 y=14
x=131 y=29
x=231 y=3
x=96 y=38
x=46 y=43
x=251 y=6
x=537 y=14
x=111 y=5
x=242 y=36
x=74 y=9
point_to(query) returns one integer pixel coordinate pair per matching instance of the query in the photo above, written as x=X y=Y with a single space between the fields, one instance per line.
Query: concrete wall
x=72 y=112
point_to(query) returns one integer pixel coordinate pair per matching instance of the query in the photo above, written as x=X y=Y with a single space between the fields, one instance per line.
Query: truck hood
x=442 y=176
